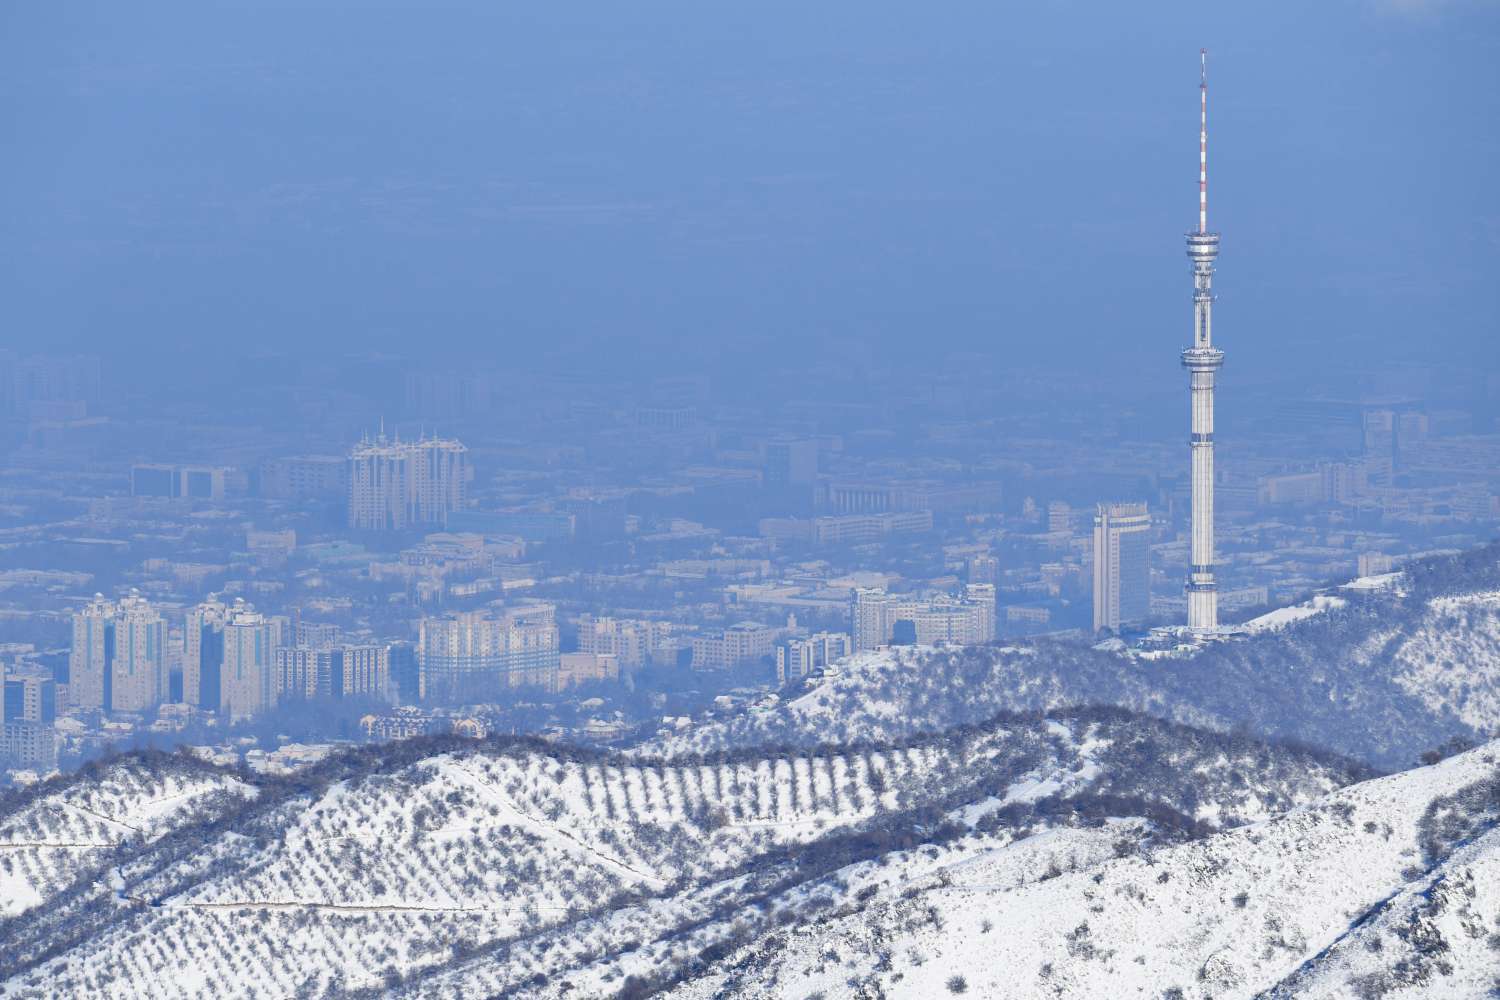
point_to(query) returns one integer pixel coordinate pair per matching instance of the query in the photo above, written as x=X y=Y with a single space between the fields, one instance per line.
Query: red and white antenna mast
x=1203 y=142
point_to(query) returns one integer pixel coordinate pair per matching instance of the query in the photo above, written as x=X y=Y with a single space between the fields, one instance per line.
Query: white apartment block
x=742 y=643
x=138 y=669
x=473 y=657
x=396 y=484
x=633 y=642
x=967 y=620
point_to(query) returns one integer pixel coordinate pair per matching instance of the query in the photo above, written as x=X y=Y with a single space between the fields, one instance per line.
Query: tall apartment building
x=359 y=670
x=1122 y=565
x=967 y=620
x=89 y=657
x=29 y=696
x=800 y=657
x=633 y=642
x=203 y=653
x=742 y=643
x=297 y=675
x=118 y=660
x=332 y=671
x=848 y=497
x=28 y=709
x=26 y=381
x=138 y=668
x=397 y=484
x=315 y=635
x=247 y=685
x=474 y=657
x=1060 y=517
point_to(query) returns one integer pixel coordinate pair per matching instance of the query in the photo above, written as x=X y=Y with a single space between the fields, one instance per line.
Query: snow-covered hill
x=1382 y=674
x=928 y=825
x=1386 y=888
x=68 y=828
x=502 y=868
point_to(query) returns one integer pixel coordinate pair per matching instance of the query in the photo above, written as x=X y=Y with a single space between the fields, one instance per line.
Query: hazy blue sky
x=505 y=179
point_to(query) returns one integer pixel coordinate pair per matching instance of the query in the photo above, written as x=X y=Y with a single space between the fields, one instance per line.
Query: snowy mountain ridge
x=1014 y=821
x=1383 y=674
x=488 y=865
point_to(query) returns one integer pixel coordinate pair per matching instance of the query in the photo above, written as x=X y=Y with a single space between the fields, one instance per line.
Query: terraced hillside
x=509 y=868
x=70 y=828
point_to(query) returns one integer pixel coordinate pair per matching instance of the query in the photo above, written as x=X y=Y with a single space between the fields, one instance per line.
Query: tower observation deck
x=1202 y=360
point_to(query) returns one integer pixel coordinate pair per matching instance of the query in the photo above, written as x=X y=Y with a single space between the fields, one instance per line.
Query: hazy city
x=765 y=516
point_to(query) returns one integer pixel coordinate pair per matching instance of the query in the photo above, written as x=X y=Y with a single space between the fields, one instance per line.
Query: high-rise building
x=357 y=670
x=1122 y=565
x=28 y=709
x=89 y=680
x=396 y=484
x=196 y=482
x=405 y=674
x=203 y=653
x=138 y=668
x=30 y=696
x=118 y=660
x=315 y=635
x=967 y=620
x=298 y=676
x=473 y=657
x=1202 y=360
x=331 y=671
x=247 y=685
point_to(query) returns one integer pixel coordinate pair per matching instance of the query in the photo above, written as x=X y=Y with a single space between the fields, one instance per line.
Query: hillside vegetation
x=503 y=864
x=1382 y=676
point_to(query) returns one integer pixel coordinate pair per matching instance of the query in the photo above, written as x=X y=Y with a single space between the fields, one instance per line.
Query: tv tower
x=1202 y=360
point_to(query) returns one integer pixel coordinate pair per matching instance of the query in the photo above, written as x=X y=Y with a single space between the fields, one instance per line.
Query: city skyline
x=555 y=502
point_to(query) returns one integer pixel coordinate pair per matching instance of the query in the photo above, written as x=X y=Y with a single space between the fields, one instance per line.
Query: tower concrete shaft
x=1202 y=360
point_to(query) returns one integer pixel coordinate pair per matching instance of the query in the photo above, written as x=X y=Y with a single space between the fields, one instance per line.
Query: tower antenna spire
x=1203 y=141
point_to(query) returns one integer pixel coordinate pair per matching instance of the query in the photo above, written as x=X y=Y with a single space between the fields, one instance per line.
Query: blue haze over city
x=711 y=501
x=584 y=370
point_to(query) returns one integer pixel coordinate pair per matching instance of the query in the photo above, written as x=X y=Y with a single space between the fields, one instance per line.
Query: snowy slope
x=1382 y=674
x=67 y=829
x=486 y=866
x=1329 y=899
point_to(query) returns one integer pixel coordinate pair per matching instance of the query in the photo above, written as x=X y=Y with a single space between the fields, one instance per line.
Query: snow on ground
x=67 y=833
x=1382 y=581
x=1282 y=617
x=1328 y=892
x=1452 y=662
